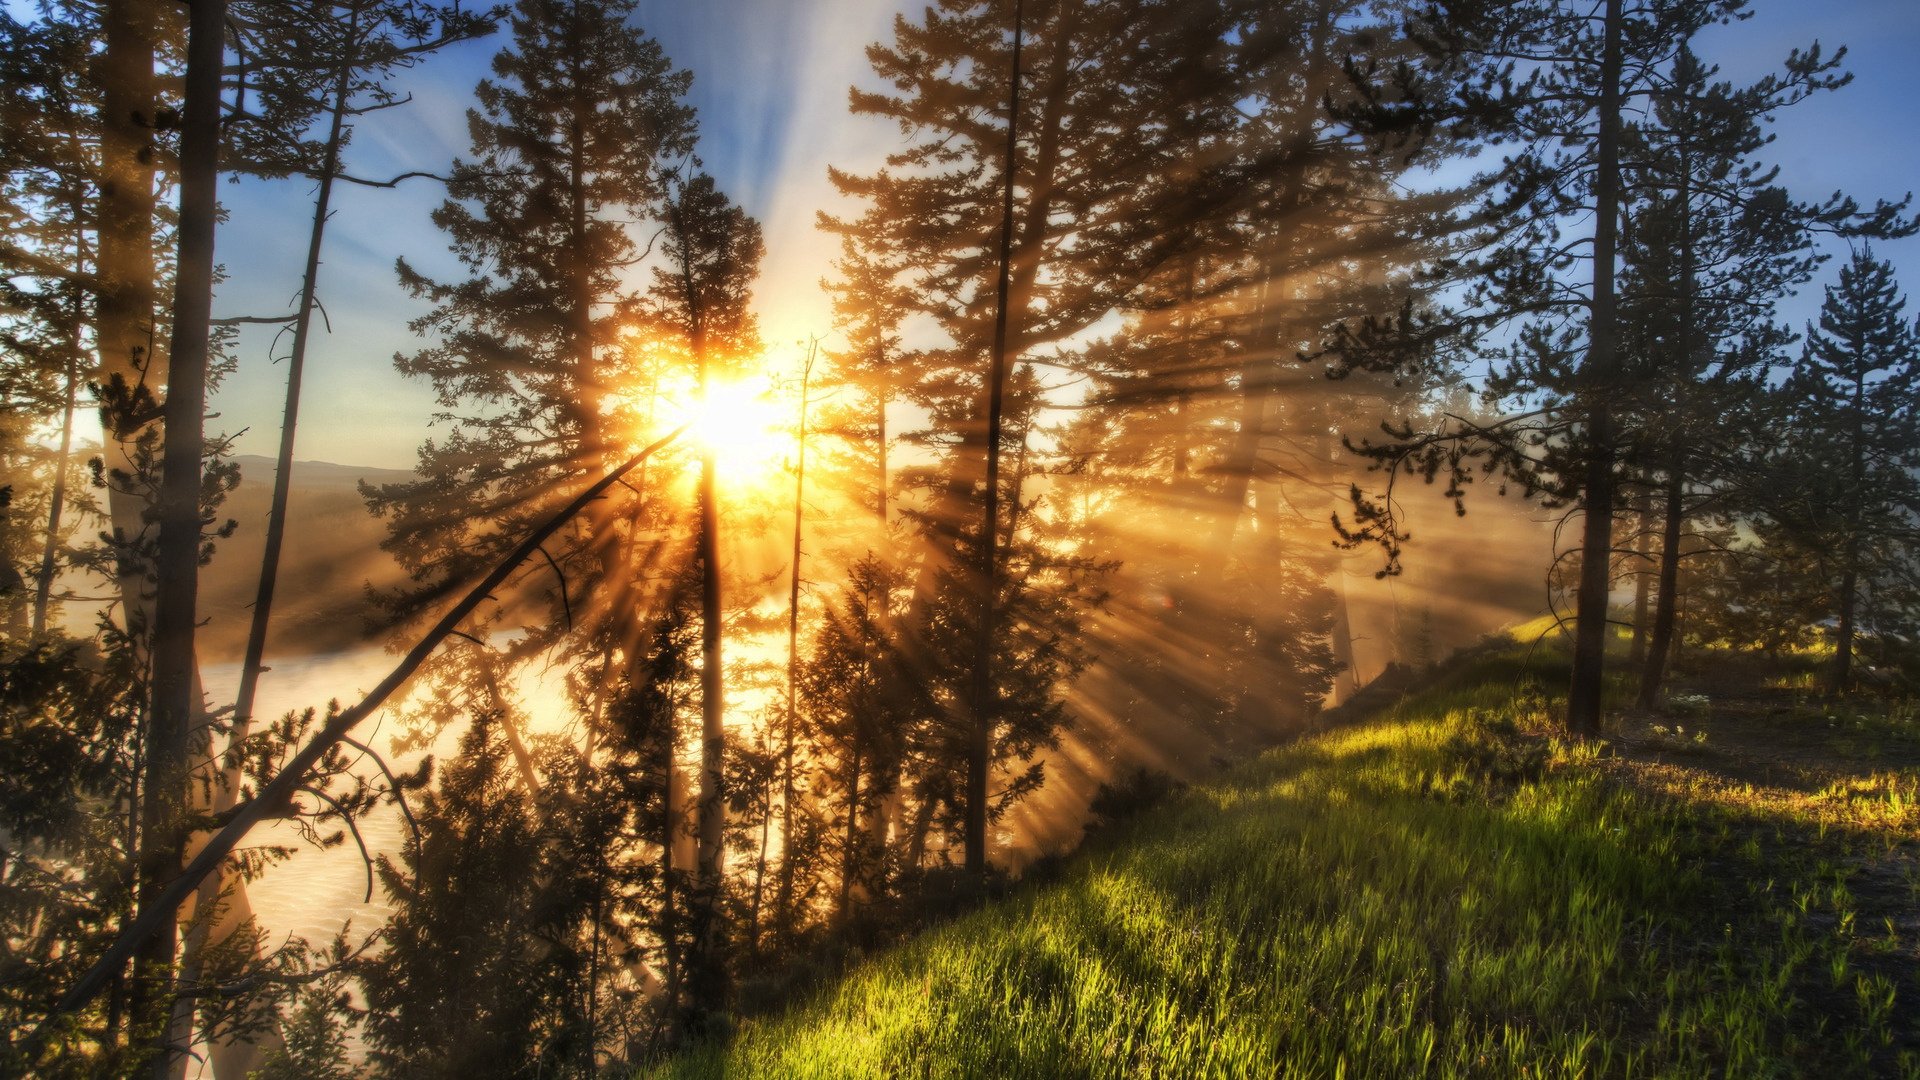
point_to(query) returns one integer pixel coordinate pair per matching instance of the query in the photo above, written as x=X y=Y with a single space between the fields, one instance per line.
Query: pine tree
x=985 y=186
x=530 y=361
x=70 y=725
x=699 y=300
x=530 y=370
x=1853 y=444
x=1556 y=80
x=860 y=723
x=1712 y=246
x=45 y=295
x=481 y=968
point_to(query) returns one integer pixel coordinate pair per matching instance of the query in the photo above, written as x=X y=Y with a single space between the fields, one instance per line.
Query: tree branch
x=293 y=777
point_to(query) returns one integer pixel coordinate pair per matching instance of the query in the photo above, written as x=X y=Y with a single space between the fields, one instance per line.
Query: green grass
x=1443 y=892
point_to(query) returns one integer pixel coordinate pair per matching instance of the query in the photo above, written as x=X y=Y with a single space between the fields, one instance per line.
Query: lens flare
x=747 y=431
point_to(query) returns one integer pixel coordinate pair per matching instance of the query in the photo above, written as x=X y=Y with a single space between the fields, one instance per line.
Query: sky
x=770 y=84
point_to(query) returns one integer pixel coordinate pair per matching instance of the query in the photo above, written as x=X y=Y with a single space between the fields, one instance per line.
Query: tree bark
x=784 y=892
x=1844 y=634
x=705 y=977
x=980 y=734
x=1596 y=544
x=1667 y=606
x=1643 y=576
x=124 y=308
x=1667 y=610
x=165 y=815
x=225 y=793
x=1850 y=571
x=849 y=856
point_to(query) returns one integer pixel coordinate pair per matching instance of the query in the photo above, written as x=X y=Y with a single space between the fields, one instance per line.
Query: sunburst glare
x=742 y=422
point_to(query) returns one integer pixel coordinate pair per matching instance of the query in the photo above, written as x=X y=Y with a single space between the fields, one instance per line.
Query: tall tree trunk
x=1596 y=543
x=760 y=872
x=227 y=791
x=1667 y=606
x=1844 y=634
x=980 y=736
x=1643 y=575
x=705 y=973
x=165 y=818
x=670 y=866
x=124 y=308
x=57 y=497
x=1659 y=649
x=250 y=668
x=883 y=395
x=890 y=819
x=849 y=856
x=784 y=894
x=596 y=443
x=1850 y=571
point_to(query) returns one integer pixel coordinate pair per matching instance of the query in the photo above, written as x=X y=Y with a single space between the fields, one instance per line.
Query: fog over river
x=317 y=892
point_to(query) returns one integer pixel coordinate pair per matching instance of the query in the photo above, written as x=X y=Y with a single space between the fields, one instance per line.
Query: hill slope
x=1443 y=891
x=332 y=552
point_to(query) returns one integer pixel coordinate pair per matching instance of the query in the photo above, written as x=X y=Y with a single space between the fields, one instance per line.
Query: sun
x=749 y=434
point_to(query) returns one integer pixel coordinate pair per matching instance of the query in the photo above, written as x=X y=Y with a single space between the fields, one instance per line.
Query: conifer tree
x=578 y=138
x=1712 y=245
x=700 y=297
x=356 y=45
x=570 y=140
x=1844 y=483
x=857 y=724
x=1556 y=80
x=1101 y=193
x=47 y=268
x=1221 y=425
x=481 y=968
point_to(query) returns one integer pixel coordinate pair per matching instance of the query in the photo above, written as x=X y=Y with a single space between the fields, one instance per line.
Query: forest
x=1292 y=538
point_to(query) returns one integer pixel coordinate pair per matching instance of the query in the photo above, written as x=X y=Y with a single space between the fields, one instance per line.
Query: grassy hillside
x=1442 y=891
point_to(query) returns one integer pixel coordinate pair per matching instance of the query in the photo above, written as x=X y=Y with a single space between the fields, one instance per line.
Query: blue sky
x=770 y=81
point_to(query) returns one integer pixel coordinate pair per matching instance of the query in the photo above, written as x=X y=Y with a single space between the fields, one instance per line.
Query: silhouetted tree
x=712 y=252
x=860 y=723
x=1843 y=481
x=1097 y=83
x=530 y=362
x=1555 y=80
x=1712 y=246
x=482 y=971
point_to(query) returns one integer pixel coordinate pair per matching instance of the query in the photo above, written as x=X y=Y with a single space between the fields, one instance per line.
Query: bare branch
x=399 y=793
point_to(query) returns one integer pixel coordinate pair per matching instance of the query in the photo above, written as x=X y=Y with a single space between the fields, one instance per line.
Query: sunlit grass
x=1446 y=892
x=1537 y=628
